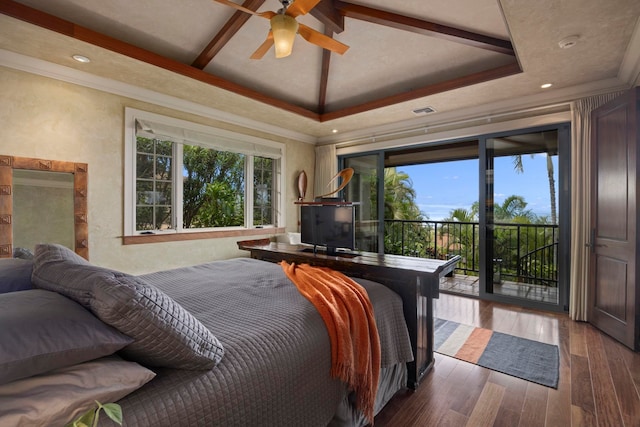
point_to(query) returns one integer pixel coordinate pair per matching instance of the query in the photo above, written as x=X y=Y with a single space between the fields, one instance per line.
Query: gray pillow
x=165 y=334
x=43 y=330
x=15 y=274
x=23 y=253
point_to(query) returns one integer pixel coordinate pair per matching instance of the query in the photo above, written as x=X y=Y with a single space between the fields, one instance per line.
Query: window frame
x=271 y=149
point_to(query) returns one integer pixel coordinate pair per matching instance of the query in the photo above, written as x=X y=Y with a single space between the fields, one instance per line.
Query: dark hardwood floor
x=599 y=378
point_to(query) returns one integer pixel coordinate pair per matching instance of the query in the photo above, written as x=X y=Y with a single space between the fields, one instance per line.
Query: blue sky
x=442 y=187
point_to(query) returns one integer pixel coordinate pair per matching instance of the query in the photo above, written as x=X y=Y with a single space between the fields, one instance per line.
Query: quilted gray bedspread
x=275 y=371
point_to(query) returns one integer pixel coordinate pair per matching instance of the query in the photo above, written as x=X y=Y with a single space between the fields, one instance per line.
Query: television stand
x=416 y=280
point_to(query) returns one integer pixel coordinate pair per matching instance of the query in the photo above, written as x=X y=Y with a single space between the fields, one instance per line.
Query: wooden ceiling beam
x=324 y=75
x=326 y=12
x=423 y=27
x=237 y=20
x=432 y=89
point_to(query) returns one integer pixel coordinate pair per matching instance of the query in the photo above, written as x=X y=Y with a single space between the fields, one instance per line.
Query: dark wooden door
x=613 y=297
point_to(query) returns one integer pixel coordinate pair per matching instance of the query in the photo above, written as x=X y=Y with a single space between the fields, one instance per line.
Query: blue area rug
x=520 y=357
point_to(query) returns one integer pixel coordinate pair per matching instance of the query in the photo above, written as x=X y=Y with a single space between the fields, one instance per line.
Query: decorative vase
x=302 y=185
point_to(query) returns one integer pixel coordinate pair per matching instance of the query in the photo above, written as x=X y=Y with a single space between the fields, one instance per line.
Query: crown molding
x=470 y=131
x=43 y=68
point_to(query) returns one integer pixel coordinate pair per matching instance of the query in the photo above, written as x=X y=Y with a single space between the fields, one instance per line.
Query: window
x=153 y=184
x=262 y=191
x=184 y=177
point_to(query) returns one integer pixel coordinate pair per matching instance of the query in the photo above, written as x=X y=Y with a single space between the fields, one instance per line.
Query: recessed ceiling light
x=546 y=85
x=569 y=42
x=81 y=58
x=334 y=130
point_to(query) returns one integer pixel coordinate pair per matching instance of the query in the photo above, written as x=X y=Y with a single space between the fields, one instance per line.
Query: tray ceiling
x=403 y=55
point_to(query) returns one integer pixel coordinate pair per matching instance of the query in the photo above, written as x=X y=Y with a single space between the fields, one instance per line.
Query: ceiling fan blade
x=301 y=7
x=264 y=47
x=319 y=39
x=241 y=8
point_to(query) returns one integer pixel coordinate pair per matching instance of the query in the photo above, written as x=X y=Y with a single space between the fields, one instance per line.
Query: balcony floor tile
x=470 y=286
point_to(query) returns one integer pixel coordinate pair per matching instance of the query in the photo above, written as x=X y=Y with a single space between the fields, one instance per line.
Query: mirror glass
x=43 y=208
x=50 y=199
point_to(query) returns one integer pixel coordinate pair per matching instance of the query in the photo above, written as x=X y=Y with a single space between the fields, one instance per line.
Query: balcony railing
x=523 y=253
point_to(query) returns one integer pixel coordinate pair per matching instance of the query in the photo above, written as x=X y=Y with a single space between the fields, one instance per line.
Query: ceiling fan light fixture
x=284 y=29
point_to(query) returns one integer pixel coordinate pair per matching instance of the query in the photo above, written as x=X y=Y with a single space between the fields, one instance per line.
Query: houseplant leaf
x=113 y=411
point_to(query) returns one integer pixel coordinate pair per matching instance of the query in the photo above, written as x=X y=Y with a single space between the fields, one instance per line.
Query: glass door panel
x=364 y=189
x=522 y=232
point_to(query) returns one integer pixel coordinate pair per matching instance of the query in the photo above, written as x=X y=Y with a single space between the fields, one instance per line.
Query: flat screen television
x=331 y=226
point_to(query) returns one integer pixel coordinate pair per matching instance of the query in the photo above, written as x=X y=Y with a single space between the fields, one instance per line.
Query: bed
x=266 y=355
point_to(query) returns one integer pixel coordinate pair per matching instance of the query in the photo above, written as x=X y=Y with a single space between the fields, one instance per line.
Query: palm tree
x=399 y=204
x=519 y=168
x=399 y=196
x=460 y=239
x=462 y=215
x=552 y=189
x=514 y=209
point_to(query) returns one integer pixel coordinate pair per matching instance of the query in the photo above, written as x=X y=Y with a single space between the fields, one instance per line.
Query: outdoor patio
x=524 y=255
x=469 y=286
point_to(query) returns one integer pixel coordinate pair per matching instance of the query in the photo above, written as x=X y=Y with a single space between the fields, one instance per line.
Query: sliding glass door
x=521 y=224
x=364 y=189
x=510 y=225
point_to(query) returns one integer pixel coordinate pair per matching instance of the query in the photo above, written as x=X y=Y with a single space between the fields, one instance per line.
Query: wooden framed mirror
x=9 y=164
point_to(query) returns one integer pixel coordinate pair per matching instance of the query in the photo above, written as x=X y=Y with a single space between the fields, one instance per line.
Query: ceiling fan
x=284 y=28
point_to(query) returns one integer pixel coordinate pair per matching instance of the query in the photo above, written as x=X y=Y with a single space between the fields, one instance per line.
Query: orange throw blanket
x=348 y=314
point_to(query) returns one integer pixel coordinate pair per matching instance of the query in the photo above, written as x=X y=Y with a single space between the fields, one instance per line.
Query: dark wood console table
x=416 y=280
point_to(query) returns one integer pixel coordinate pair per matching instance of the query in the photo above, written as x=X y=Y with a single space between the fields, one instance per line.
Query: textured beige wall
x=50 y=119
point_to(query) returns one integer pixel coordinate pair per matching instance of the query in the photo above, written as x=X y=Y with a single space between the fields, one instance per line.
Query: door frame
x=564 y=219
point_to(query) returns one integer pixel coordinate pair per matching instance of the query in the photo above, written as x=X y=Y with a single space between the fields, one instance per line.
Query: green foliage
x=399 y=196
x=263 y=174
x=222 y=207
x=399 y=204
x=464 y=215
x=518 y=231
x=91 y=417
x=514 y=209
x=213 y=188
